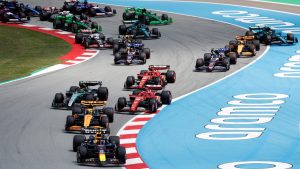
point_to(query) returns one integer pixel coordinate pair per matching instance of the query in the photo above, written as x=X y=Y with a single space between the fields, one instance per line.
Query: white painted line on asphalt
x=88 y=53
x=63 y=32
x=74 y=61
x=28 y=25
x=91 y=50
x=46 y=29
x=134 y=161
x=123 y=132
x=146 y=115
x=82 y=57
x=72 y=36
x=136 y=123
x=127 y=140
x=131 y=150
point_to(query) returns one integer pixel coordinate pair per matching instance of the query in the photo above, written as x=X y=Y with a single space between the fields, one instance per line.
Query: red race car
x=144 y=100
x=152 y=78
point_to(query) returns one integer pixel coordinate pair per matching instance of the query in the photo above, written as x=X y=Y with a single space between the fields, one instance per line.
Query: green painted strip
x=288 y=2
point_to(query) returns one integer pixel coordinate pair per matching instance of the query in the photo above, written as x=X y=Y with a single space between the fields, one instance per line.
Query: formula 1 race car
x=216 y=60
x=87 y=119
x=97 y=40
x=49 y=13
x=269 y=36
x=77 y=7
x=144 y=100
x=244 y=45
x=16 y=8
x=73 y=23
x=139 y=30
x=151 y=78
x=131 y=55
x=99 y=150
x=132 y=15
x=7 y=16
x=77 y=94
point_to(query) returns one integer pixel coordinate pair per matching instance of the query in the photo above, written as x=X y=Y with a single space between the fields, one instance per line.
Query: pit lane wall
x=247 y=120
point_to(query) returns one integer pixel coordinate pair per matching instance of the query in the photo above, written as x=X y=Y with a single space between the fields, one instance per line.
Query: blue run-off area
x=263 y=131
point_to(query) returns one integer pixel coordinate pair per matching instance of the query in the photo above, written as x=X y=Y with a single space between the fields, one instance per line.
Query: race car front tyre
x=130 y=80
x=164 y=17
x=143 y=57
x=147 y=52
x=207 y=57
x=92 y=12
x=107 y=9
x=152 y=103
x=103 y=93
x=171 y=76
x=77 y=140
x=78 y=38
x=290 y=37
x=104 y=122
x=73 y=89
x=199 y=63
x=156 y=32
x=122 y=29
x=117 y=58
x=82 y=153
x=70 y=121
x=249 y=33
x=121 y=155
x=232 y=57
x=256 y=43
x=114 y=140
x=166 y=97
x=109 y=111
x=121 y=103
x=76 y=109
x=58 y=98
x=57 y=24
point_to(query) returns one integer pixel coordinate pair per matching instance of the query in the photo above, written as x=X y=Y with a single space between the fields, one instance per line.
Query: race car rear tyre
x=58 y=98
x=73 y=89
x=256 y=43
x=114 y=140
x=147 y=52
x=38 y=8
x=143 y=57
x=233 y=44
x=44 y=16
x=78 y=38
x=57 y=24
x=110 y=41
x=127 y=16
x=77 y=140
x=90 y=97
x=109 y=111
x=171 y=76
x=290 y=37
x=5 y=18
x=199 y=63
x=103 y=93
x=76 y=109
x=70 y=121
x=104 y=122
x=207 y=57
x=252 y=49
x=121 y=103
x=249 y=33
x=130 y=80
x=164 y=17
x=121 y=155
x=107 y=9
x=122 y=29
x=156 y=32
x=117 y=57
x=92 y=12
x=152 y=103
x=115 y=48
x=267 y=40
x=232 y=57
x=82 y=153
x=166 y=97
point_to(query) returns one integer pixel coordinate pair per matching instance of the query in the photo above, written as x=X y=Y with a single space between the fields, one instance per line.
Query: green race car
x=69 y=22
x=146 y=17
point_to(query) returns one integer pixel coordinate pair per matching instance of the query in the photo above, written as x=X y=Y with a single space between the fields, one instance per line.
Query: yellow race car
x=88 y=119
x=244 y=46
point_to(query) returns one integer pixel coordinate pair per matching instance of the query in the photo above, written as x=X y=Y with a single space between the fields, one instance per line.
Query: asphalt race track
x=32 y=135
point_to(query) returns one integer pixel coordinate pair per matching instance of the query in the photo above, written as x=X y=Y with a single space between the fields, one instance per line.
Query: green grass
x=24 y=51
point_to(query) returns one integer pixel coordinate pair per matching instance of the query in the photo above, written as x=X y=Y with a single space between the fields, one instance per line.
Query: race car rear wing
x=90 y=83
x=93 y=103
x=159 y=67
x=244 y=37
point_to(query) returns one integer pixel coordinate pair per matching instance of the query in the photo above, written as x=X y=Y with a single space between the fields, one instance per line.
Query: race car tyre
x=90 y=97
x=252 y=50
x=73 y=89
x=77 y=140
x=114 y=11
x=156 y=32
x=22 y=15
x=110 y=41
x=171 y=76
x=267 y=40
x=114 y=140
x=143 y=57
x=52 y=17
x=5 y=18
x=82 y=153
x=67 y=7
x=164 y=17
x=76 y=109
x=58 y=98
x=256 y=43
x=109 y=111
x=226 y=64
x=78 y=38
x=249 y=33
x=95 y=25
x=127 y=16
x=147 y=52
x=104 y=122
x=122 y=29
x=130 y=80
x=152 y=103
x=117 y=57
x=87 y=42
x=166 y=97
x=103 y=93
x=115 y=48
x=74 y=28
x=233 y=44
x=123 y=51
x=92 y=12
x=107 y=9
x=207 y=57
x=199 y=63
x=57 y=24
x=38 y=8
x=70 y=121
x=232 y=57
x=121 y=155
x=121 y=103
x=44 y=16
x=136 y=91
x=290 y=37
